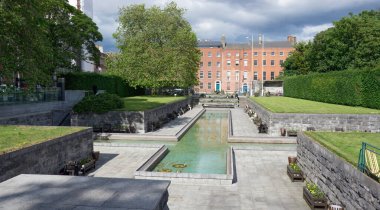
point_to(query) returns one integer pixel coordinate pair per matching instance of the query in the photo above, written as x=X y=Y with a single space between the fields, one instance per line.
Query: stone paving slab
x=262 y=182
x=67 y=192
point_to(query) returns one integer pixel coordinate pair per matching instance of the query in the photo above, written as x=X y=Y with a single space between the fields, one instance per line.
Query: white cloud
x=308 y=32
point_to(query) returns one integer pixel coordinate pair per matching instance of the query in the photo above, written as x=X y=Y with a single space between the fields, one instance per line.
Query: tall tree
x=157 y=47
x=298 y=61
x=37 y=37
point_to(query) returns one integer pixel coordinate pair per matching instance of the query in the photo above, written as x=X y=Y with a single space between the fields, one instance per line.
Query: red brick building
x=238 y=67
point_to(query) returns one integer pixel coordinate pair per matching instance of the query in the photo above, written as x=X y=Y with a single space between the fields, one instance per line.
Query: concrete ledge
x=338 y=179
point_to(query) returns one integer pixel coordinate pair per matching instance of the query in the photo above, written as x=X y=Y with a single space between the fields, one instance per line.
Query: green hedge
x=350 y=87
x=99 y=103
x=112 y=84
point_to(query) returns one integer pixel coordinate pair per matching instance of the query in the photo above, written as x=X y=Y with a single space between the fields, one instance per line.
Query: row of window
x=209 y=54
x=245 y=63
x=237 y=75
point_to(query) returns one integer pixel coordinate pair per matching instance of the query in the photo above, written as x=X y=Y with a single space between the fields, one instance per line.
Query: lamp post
x=261 y=41
x=251 y=61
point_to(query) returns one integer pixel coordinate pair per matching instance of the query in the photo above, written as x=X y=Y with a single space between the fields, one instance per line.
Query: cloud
x=239 y=18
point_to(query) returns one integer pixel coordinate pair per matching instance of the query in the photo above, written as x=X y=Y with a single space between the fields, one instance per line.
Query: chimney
x=292 y=39
x=223 y=41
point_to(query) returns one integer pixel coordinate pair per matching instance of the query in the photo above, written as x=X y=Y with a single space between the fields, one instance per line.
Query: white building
x=86 y=6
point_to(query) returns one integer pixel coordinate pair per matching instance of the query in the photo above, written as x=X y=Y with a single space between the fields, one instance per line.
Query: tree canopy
x=353 y=43
x=39 y=37
x=157 y=47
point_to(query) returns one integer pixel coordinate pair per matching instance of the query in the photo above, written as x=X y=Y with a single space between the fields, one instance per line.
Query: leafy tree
x=298 y=62
x=157 y=47
x=38 y=37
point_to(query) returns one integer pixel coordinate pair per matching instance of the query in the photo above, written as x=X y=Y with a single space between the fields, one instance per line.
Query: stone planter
x=283 y=131
x=314 y=203
x=292 y=159
x=292 y=133
x=294 y=175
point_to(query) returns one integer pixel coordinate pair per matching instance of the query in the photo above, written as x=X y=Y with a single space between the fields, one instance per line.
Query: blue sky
x=238 y=19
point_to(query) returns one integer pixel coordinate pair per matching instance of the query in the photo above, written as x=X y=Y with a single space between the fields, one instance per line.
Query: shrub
x=100 y=103
x=109 y=83
x=350 y=87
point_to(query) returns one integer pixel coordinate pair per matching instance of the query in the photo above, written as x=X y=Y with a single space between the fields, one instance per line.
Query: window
x=209 y=74
x=228 y=63
x=228 y=86
x=218 y=54
x=281 y=53
x=255 y=75
x=201 y=64
x=201 y=85
x=237 y=75
x=237 y=54
x=209 y=85
x=272 y=62
x=264 y=53
x=264 y=62
x=218 y=64
x=271 y=75
x=218 y=74
x=245 y=62
x=228 y=75
x=209 y=63
x=255 y=62
x=236 y=86
x=245 y=75
x=264 y=75
x=245 y=54
x=209 y=54
x=272 y=54
x=289 y=53
x=281 y=62
x=255 y=53
x=236 y=62
x=201 y=75
x=228 y=54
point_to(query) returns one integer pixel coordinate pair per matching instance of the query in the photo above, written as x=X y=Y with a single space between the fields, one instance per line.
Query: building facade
x=240 y=67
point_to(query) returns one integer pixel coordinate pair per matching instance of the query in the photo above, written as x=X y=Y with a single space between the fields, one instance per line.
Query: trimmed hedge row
x=112 y=84
x=101 y=103
x=350 y=87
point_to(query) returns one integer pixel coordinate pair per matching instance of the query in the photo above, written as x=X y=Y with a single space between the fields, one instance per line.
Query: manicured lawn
x=141 y=103
x=346 y=145
x=294 y=105
x=17 y=137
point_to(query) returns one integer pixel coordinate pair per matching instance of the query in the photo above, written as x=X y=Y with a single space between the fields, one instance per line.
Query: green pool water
x=203 y=149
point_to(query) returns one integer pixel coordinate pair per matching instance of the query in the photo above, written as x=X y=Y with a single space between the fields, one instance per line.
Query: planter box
x=314 y=203
x=87 y=166
x=292 y=133
x=295 y=176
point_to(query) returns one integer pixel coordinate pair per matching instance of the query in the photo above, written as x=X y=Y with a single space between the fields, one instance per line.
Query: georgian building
x=239 y=67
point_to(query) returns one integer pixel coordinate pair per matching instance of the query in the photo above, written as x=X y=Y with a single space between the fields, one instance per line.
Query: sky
x=239 y=19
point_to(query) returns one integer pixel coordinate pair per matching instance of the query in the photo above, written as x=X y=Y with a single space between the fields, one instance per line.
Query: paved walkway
x=262 y=182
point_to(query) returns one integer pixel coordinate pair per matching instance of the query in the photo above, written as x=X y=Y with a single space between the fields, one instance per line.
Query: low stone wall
x=44 y=118
x=137 y=120
x=47 y=157
x=339 y=180
x=325 y=122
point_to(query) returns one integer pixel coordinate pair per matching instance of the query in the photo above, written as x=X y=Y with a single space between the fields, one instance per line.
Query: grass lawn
x=17 y=137
x=346 y=145
x=294 y=105
x=141 y=103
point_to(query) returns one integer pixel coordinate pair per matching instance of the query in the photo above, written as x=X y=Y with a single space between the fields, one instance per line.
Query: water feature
x=203 y=149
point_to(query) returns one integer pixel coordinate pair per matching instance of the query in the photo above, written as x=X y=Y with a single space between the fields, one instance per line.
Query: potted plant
x=292 y=133
x=283 y=131
x=314 y=196
x=295 y=173
x=292 y=159
x=86 y=165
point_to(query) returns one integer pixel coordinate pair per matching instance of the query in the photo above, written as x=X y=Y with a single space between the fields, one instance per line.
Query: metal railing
x=362 y=165
x=11 y=97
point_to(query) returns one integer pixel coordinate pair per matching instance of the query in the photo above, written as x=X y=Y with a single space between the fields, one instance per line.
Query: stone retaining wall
x=44 y=118
x=47 y=157
x=325 y=122
x=339 y=180
x=139 y=120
